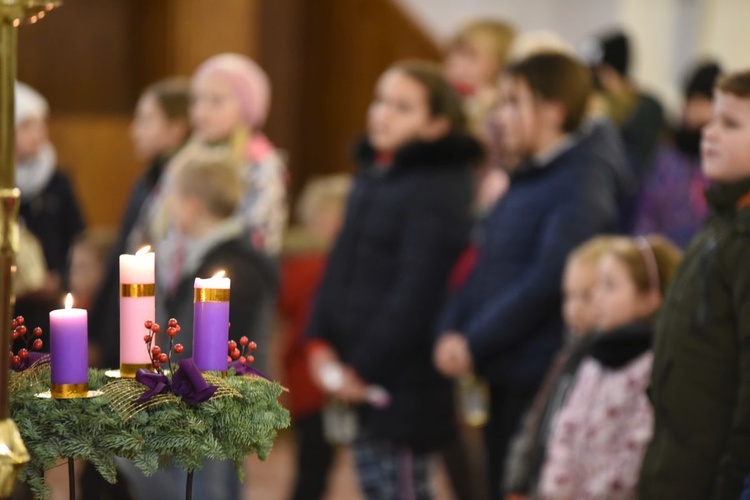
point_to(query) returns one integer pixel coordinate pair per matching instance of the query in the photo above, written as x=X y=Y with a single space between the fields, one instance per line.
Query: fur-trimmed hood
x=450 y=151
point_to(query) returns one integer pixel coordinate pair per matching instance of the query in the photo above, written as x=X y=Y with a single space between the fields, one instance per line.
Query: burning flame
x=218 y=275
x=69 y=301
x=144 y=250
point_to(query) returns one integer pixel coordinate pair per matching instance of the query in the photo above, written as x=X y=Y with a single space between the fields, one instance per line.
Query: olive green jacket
x=700 y=385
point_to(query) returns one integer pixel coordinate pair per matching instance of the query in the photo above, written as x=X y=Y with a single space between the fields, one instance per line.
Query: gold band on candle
x=212 y=295
x=69 y=391
x=129 y=371
x=147 y=290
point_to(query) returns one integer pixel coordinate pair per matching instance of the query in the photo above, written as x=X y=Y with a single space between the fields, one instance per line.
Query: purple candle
x=211 y=323
x=69 y=351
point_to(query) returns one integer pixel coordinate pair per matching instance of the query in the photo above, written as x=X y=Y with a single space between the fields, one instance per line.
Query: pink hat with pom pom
x=248 y=80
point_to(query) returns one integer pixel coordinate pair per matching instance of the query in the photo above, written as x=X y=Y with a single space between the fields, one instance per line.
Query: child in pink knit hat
x=231 y=99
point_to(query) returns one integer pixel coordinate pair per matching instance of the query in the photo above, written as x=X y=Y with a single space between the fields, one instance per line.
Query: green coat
x=700 y=385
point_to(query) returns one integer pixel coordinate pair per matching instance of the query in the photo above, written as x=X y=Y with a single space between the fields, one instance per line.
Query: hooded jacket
x=386 y=279
x=700 y=387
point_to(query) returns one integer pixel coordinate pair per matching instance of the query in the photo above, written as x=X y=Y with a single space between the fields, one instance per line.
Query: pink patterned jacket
x=599 y=437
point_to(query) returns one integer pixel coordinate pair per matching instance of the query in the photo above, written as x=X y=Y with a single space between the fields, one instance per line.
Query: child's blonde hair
x=590 y=251
x=651 y=260
x=497 y=34
x=214 y=178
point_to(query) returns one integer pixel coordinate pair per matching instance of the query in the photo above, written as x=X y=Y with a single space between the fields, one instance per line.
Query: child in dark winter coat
x=700 y=386
x=407 y=220
x=505 y=323
x=599 y=435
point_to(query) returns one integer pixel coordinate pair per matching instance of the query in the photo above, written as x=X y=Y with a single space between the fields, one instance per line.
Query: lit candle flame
x=69 y=301
x=144 y=250
x=218 y=275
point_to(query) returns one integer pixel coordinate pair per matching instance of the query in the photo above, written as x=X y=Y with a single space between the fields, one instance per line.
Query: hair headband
x=649 y=259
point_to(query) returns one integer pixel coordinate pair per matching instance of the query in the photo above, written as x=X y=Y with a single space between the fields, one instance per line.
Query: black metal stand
x=72 y=478
x=189 y=486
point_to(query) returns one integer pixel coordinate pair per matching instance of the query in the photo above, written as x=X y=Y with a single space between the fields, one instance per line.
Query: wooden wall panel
x=95 y=150
x=342 y=46
x=81 y=57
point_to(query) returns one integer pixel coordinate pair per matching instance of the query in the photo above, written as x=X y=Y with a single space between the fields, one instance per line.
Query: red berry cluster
x=244 y=355
x=31 y=342
x=158 y=358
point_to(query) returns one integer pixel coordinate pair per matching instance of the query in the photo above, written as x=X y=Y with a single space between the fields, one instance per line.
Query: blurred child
x=476 y=56
x=320 y=212
x=204 y=193
x=638 y=115
x=49 y=208
x=231 y=98
x=474 y=61
x=599 y=436
x=527 y=452
x=505 y=323
x=672 y=201
x=407 y=220
x=700 y=386
x=159 y=129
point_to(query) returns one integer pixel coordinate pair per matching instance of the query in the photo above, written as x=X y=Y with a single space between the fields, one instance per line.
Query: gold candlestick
x=13 y=13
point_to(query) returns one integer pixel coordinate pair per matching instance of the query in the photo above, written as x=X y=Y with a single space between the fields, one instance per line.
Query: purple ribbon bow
x=189 y=384
x=245 y=369
x=157 y=383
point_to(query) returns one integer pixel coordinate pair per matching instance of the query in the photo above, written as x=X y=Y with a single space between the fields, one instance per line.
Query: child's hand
x=452 y=356
x=325 y=368
x=353 y=389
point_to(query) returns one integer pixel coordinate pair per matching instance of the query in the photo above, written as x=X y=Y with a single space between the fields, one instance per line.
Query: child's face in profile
x=579 y=282
x=518 y=116
x=215 y=112
x=471 y=65
x=725 y=147
x=399 y=113
x=31 y=136
x=151 y=131
x=618 y=301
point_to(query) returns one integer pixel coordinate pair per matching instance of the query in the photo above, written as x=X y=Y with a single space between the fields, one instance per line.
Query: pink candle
x=137 y=305
x=211 y=323
x=69 y=351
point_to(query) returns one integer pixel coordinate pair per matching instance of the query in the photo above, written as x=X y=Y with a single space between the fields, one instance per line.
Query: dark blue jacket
x=510 y=307
x=386 y=279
